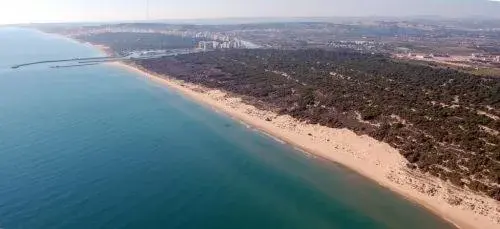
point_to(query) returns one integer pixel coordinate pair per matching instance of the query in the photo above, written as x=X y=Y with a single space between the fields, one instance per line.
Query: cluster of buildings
x=216 y=36
x=356 y=45
x=427 y=56
x=478 y=57
x=475 y=59
x=210 y=45
x=215 y=40
x=485 y=58
x=212 y=40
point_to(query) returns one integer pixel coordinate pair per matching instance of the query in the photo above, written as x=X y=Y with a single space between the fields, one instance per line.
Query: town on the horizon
x=457 y=43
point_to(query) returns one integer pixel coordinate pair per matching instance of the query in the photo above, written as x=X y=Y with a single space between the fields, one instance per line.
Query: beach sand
x=363 y=154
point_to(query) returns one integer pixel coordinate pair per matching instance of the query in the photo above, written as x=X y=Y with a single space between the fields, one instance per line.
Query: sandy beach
x=363 y=154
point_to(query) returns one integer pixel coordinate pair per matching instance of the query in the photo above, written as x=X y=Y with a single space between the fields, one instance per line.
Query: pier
x=79 y=60
x=99 y=60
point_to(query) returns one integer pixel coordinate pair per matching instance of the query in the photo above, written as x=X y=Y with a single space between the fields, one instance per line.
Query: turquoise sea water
x=100 y=147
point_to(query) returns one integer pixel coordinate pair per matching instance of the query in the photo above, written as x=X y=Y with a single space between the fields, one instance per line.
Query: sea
x=101 y=147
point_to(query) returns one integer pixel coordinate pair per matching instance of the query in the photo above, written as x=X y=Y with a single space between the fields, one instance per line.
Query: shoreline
x=387 y=168
x=375 y=160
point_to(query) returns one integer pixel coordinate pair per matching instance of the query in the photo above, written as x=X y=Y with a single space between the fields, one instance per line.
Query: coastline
x=373 y=159
x=368 y=157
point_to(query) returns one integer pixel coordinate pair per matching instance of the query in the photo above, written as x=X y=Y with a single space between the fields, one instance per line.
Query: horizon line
x=481 y=17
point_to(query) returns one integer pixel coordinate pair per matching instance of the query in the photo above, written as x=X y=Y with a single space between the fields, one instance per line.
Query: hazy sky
x=22 y=11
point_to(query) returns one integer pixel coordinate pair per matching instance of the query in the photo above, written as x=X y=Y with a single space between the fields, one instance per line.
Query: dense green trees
x=443 y=121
